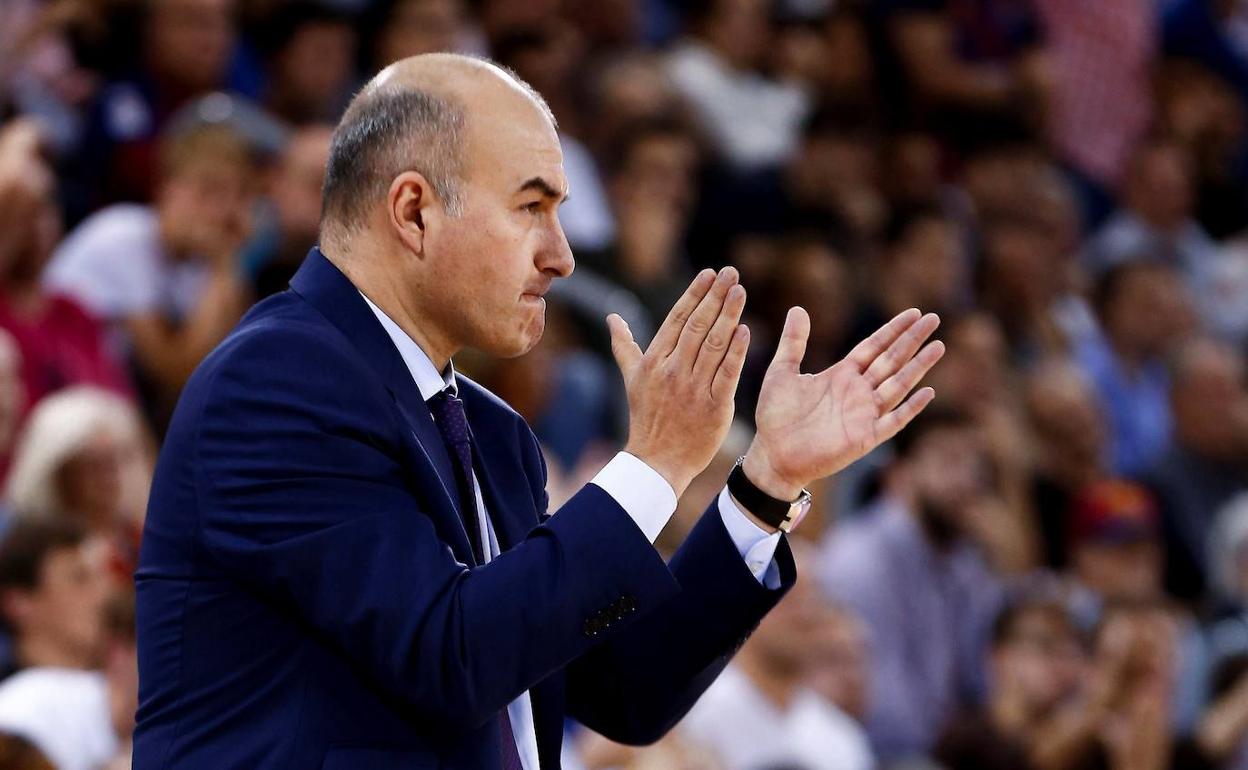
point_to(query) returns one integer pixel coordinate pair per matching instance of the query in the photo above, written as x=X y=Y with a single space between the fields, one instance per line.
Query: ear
x=412 y=204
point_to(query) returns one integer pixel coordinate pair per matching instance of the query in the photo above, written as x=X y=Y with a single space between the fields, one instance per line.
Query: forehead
x=511 y=141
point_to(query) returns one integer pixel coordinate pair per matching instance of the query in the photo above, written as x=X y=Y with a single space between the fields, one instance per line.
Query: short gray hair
x=385 y=132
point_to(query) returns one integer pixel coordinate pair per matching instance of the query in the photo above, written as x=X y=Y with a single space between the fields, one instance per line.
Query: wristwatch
x=784 y=515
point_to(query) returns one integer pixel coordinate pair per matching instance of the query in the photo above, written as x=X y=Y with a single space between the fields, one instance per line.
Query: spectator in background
x=1069 y=445
x=652 y=188
x=166 y=277
x=842 y=667
x=908 y=567
x=82 y=456
x=58 y=342
x=81 y=719
x=1156 y=222
x=52 y=595
x=1143 y=310
x=762 y=711
x=397 y=29
x=1035 y=662
x=291 y=221
x=923 y=264
x=1207 y=463
x=186 y=53
x=754 y=122
x=310 y=55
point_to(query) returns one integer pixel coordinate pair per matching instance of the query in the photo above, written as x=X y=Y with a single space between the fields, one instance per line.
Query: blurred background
x=1047 y=571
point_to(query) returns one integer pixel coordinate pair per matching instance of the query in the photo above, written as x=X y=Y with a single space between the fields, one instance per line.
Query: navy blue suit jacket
x=304 y=599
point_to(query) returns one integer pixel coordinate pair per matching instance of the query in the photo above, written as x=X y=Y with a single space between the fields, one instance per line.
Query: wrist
x=677 y=479
x=762 y=474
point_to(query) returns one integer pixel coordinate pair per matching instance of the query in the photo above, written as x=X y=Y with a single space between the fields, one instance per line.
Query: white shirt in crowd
x=64 y=713
x=746 y=731
x=115 y=266
x=754 y=121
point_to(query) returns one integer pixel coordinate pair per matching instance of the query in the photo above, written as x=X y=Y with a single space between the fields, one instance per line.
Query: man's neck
x=384 y=292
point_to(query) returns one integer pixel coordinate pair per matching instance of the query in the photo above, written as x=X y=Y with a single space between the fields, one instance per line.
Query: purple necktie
x=448 y=415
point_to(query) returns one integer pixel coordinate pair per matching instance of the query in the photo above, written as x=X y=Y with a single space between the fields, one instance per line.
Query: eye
x=533 y=208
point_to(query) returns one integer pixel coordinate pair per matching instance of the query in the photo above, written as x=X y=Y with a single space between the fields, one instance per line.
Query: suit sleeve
x=304 y=499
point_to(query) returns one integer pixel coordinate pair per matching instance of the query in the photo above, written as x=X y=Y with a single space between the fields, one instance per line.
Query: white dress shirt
x=639 y=489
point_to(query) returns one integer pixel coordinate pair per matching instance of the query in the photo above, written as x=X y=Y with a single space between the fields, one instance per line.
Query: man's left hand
x=812 y=425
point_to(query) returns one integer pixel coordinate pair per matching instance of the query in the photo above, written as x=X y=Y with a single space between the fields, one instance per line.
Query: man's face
x=296 y=187
x=1120 y=571
x=489 y=267
x=191 y=40
x=203 y=205
x=1041 y=662
x=66 y=608
x=949 y=473
x=930 y=261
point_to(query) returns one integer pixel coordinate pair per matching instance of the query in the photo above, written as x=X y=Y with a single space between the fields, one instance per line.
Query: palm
x=813 y=425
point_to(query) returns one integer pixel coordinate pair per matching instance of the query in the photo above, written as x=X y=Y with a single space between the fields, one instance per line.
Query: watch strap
x=775 y=513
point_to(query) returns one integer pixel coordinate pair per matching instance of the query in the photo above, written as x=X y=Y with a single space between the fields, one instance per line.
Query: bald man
x=348 y=560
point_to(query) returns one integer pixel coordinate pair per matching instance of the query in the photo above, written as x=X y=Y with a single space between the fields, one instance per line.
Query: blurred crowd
x=1047 y=571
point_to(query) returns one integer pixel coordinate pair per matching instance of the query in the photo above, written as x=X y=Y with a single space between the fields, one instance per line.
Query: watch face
x=797 y=512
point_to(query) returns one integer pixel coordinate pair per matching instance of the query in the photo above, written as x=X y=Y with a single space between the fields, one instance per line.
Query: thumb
x=792 y=346
x=625 y=350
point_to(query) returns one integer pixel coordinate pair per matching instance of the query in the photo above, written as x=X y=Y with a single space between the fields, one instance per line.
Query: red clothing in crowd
x=62 y=345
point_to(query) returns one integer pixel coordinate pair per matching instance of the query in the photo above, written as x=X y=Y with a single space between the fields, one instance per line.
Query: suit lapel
x=323 y=286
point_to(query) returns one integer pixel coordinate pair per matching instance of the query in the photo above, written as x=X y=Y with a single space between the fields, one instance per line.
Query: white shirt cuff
x=755 y=544
x=639 y=489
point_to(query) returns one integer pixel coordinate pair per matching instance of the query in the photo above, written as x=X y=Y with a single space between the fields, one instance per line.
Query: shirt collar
x=429 y=381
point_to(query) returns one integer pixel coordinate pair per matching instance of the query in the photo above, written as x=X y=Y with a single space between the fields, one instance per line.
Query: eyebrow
x=544 y=187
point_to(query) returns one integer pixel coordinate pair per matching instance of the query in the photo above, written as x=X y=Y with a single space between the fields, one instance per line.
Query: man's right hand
x=680 y=390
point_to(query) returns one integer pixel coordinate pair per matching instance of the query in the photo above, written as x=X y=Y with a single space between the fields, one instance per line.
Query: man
x=909 y=566
x=345 y=565
x=53 y=587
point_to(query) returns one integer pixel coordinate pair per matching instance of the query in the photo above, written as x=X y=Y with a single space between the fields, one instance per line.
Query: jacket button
x=592 y=627
x=629 y=604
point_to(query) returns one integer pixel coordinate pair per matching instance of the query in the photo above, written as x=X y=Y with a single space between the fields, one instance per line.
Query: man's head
x=1115 y=536
x=1066 y=420
x=52 y=592
x=189 y=41
x=1158 y=185
x=311 y=58
x=441 y=203
x=295 y=184
x=1209 y=395
x=1036 y=656
x=206 y=187
x=941 y=469
x=1143 y=307
x=923 y=257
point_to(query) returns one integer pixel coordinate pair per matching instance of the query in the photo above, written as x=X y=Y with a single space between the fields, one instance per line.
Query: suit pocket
x=376 y=759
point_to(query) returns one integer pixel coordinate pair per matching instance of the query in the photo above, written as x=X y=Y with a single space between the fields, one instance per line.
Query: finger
x=667 y=335
x=895 y=388
x=715 y=346
x=729 y=372
x=887 y=426
x=869 y=349
x=792 y=346
x=902 y=350
x=703 y=318
x=623 y=347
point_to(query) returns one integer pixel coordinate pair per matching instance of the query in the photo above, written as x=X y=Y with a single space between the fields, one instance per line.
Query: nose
x=556 y=260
